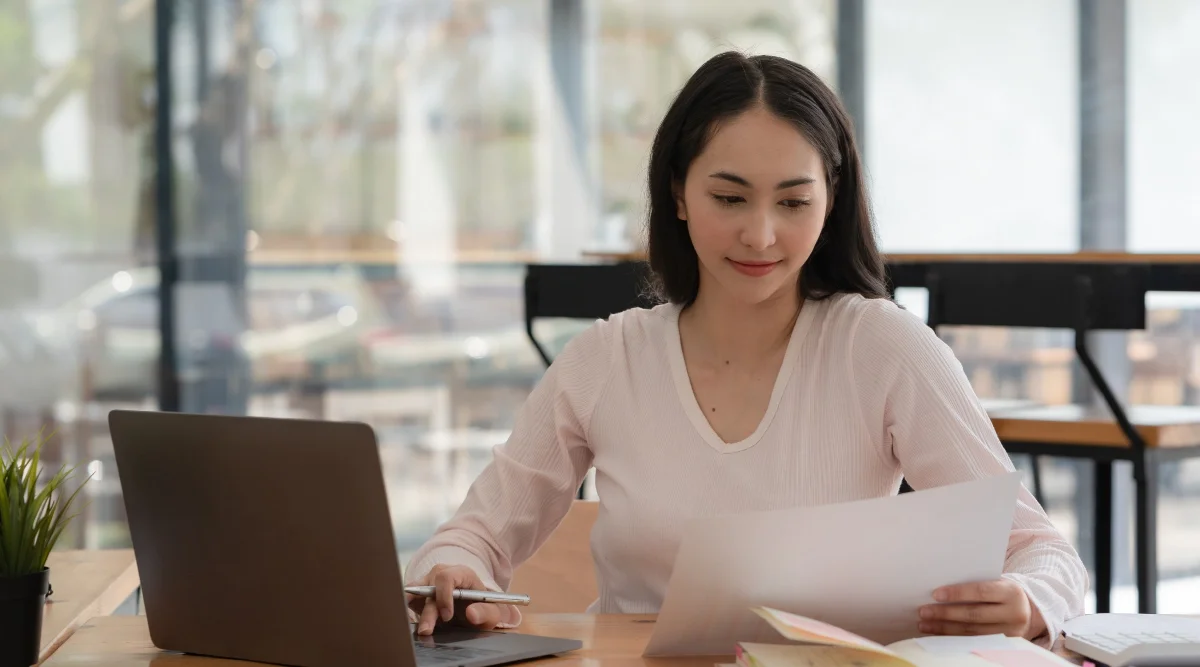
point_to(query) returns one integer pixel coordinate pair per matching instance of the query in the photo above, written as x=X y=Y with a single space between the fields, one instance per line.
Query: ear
x=680 y=204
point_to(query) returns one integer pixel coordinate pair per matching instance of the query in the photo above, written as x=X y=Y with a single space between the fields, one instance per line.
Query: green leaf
x=5 y=528
x=33 y=513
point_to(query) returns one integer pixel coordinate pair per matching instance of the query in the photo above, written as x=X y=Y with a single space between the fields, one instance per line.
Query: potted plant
x=33 y=514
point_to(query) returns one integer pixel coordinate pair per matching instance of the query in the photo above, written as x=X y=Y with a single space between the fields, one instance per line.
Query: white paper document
x=865 y=566
x=962 y=645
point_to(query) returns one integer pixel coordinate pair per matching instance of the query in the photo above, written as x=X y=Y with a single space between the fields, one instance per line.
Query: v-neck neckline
x=687 y=395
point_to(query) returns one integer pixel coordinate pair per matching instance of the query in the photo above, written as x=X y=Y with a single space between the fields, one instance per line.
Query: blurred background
x=342 y=196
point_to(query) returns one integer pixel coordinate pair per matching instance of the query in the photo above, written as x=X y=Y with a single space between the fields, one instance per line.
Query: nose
x=759 y=231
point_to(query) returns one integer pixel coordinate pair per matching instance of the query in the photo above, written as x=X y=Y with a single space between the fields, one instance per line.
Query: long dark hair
x=845 y=258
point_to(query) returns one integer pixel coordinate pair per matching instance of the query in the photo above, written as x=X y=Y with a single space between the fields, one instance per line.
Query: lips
x=754 y=269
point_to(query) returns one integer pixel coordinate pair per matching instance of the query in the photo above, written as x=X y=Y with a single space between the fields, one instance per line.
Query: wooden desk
x=1159 y=271
x=608 y=641
x=933 y=257
x=314 y=256
x=86 y=584
x=1161 y=426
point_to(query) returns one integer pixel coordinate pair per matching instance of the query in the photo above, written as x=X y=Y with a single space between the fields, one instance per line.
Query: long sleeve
x=527 y=489
x=918 y=404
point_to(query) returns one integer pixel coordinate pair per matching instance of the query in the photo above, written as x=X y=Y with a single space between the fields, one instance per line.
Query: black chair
x=582 y=291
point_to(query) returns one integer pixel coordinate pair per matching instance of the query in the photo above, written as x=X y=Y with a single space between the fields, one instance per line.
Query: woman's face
x=755 y=201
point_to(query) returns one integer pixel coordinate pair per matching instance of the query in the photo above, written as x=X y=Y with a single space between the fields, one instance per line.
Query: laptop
x=271 y=540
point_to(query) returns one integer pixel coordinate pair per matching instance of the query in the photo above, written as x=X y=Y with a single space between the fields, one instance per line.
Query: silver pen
x=472 y=595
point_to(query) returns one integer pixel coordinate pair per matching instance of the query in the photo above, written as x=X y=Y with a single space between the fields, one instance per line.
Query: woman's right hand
x=443 y=608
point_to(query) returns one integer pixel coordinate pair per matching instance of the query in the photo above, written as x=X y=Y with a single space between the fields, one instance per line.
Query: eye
x=794 y=203
x=729 y=200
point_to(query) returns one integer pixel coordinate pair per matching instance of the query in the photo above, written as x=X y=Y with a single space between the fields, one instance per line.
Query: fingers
x=980 y=591
x=484 y=615
x=976 y=614
x=445 y=583
x=443 y=608
x=429 y=617
x=978 y=608
x=961 y=629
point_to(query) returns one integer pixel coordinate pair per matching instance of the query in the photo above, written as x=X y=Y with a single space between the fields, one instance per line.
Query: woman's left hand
x=982 y=608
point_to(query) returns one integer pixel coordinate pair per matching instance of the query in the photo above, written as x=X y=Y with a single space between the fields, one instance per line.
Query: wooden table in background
x=1161 y=426
x=608 y=641
x=86 y=584
x=978 y=257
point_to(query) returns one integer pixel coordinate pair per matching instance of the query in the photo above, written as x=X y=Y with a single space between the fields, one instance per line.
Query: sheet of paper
x=793 y=655
x=923 y=659
x=983 y=654
x=865 y=566
x=963 y=645
x=1022 y=658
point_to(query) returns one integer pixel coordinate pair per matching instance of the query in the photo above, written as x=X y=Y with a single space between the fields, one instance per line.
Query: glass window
x=1163 y=136
x=359 y=184
x=76 y=214
x=1163 y=144
x=971 y=145
x=137 y=310
x=386 y=126
x=972 y=124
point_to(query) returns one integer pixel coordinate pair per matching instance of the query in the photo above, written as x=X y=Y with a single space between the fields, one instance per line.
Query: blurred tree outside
x=67 y=143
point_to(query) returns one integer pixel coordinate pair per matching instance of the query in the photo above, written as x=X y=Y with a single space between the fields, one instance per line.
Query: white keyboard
x=1134 y=640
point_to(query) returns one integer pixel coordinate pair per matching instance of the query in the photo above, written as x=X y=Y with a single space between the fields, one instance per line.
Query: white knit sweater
x=867 y=394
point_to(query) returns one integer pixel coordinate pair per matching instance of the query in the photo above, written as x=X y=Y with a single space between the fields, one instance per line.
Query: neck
x=739 y=331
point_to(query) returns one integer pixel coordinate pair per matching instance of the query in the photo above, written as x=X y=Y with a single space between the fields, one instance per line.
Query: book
x=819 y=644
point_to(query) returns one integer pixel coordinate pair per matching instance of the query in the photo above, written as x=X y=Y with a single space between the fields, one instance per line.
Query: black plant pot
x=22 y=600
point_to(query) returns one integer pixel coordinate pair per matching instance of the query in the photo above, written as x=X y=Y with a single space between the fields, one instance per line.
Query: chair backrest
x=561 y=578
x=582 y=291
x=1035 y=294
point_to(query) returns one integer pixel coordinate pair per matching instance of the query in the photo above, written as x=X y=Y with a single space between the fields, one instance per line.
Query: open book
x=823 y=645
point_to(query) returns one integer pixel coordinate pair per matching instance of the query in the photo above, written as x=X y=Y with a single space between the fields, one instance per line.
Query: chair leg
x=1146 y=537
x=1103 y=536
x=1037 y=479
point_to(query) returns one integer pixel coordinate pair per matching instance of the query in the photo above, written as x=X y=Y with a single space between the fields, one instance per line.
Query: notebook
x=818 y=644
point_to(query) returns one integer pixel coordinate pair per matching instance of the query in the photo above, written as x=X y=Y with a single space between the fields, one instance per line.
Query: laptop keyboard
x=1115 y=642
x=448 y=654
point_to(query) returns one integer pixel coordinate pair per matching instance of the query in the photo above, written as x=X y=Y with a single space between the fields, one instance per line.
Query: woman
x=778 y=374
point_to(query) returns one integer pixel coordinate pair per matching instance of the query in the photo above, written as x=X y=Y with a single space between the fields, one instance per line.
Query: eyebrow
x=734 y=178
